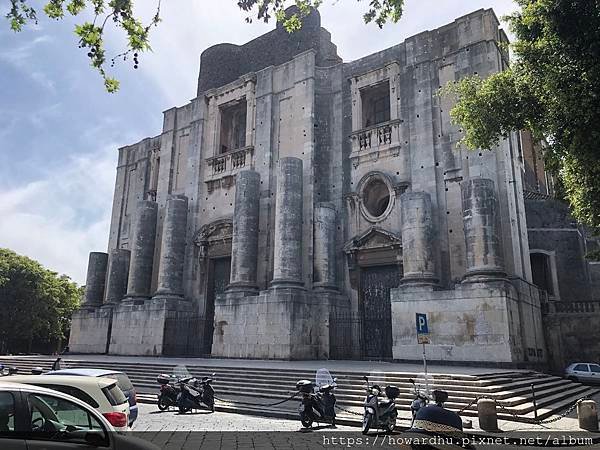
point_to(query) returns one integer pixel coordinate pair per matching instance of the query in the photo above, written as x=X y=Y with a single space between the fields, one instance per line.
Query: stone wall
x=90 y=330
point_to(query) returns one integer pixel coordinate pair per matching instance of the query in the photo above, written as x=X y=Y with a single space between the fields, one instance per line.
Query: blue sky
x=59 y=129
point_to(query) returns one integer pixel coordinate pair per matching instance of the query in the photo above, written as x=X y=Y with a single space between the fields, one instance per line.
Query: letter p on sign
x=422 y=329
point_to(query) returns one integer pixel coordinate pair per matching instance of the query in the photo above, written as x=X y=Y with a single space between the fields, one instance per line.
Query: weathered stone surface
x=118 y=272
x=95 y=280
x=325 y=223
x=418 y=238
x=480 y=214
x=244 y=245
x=142 y=251
x=90 y=330
x=170 y=272
x=287 y=268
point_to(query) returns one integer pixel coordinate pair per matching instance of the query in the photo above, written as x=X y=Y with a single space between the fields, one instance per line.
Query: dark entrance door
x=218 y=279
x=375 y=285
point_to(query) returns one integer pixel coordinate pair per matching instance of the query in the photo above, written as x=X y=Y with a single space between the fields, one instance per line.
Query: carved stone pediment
x=214 y=234
x=373 y=238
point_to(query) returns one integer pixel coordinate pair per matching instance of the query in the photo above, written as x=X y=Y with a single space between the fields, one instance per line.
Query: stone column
x=287 y=270
x=118 y=271
x=244 y=245
x=142 y=251
x=95 y=280
x=480 y=220
x=417 y=238
x=324 y=261
x=172 y=250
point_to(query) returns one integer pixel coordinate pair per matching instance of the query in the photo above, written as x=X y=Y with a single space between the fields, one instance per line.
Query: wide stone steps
x=259 y=386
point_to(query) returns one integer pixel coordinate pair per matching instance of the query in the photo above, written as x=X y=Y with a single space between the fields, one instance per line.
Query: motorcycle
x=168 y=391
x=194 y=394
x=380 y=413
x=421 y=400
x=318 y=399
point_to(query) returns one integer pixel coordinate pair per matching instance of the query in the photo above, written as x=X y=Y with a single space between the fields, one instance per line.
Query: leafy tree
x=553 y=89
x=35 y=303
x=121 y=14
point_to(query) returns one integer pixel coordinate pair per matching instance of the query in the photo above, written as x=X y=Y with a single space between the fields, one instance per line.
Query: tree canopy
x=35 y=303
x=552 y=88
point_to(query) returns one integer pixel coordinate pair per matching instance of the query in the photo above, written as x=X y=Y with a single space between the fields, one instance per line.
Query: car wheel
x=367 y=421
x=573 y=378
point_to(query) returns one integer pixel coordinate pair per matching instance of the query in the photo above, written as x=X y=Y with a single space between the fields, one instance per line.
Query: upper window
x=375 y=104
x=540 y=269
x=233 y=126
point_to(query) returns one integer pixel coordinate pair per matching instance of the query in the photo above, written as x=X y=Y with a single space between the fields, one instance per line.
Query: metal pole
x=425 y=368
x=535 y=413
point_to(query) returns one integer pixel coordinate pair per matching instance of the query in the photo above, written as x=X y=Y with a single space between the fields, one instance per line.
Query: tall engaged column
x=417 y=238
x=480 y=219
x=244 y=245
x=172 y=251
x=324 y=246
x=118 y=271
x=95 y=280
x=142 y=251
x=287 y=270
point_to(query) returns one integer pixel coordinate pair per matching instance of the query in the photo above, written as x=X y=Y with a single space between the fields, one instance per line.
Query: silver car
x=583 y=372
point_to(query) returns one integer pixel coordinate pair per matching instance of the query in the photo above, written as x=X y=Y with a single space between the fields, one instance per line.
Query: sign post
x=423 y=338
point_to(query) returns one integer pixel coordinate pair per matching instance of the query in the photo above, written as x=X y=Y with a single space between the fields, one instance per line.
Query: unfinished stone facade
x=301 y=207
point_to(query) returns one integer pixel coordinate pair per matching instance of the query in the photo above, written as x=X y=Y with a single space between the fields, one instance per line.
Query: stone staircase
x=250 y=390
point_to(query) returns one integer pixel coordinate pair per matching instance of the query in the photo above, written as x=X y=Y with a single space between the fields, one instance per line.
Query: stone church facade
x=302 y=207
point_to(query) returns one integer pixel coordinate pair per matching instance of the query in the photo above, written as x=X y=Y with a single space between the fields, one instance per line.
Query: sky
x=60 y=130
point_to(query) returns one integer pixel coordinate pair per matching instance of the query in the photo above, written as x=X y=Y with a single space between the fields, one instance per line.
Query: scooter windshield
x=181 y=371
x=323 y=377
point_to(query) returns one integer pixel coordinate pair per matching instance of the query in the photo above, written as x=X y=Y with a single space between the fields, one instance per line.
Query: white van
x=102 y=394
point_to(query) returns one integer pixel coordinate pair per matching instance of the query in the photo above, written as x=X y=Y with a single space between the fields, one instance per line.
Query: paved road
x=151 y=419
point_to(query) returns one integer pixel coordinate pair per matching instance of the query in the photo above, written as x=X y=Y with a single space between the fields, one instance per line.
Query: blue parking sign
x=422 y=324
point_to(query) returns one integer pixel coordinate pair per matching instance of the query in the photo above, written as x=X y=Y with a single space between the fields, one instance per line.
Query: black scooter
x=194 y=394
x=316 y=406
x=169 y=391
x=380 y=413
x=421 y=400
x=6 y=371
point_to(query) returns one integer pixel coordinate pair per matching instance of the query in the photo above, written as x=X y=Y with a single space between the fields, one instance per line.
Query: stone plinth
x=283 y=323
x=170 y=271
x=95 y=280
x=90 y=330
x=151 y=328
x=480 y=219
x=324 y=258
x=417 y=238
x=244 y=245
x=118 y=272
x=142 y=251
x=287 y=270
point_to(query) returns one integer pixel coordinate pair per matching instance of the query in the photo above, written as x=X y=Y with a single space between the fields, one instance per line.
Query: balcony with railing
x=227 y=164
x=382 y=139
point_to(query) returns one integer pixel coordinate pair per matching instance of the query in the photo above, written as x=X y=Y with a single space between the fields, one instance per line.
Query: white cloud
x=64 y=215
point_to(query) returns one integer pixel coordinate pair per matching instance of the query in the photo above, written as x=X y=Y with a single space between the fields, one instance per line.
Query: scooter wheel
x=162 y=404
x=183 y=409
x=306 y=421
x=367 y=421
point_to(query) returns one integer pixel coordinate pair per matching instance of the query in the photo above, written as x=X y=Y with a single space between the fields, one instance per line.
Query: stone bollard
x=587 y=413
x=486 y=412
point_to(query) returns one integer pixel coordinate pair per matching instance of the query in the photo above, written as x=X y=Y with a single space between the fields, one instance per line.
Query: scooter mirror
x=411 y=380
x=213 y=374
x=334 y=380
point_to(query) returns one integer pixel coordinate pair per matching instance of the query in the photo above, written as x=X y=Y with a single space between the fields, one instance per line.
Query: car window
x=595 y=368
x=122 y=381
x=7 y=413
x=114 y=395
x=581 y=368
x=75 y=392
x=60 y=420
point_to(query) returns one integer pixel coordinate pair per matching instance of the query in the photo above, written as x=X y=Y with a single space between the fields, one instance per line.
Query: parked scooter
x=169 y=390
x=380 y=413
x=6 y=371
x=421 y=400
x=194 y=394
x=318 y=399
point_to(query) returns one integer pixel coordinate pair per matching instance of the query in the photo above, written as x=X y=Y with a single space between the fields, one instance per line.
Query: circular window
x=376 y=197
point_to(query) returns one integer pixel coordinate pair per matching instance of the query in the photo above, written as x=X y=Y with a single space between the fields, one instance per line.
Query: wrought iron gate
x=375 y=285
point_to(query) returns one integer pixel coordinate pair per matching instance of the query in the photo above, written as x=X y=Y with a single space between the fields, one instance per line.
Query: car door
x=582 y=372
x=595 y=373
x=49 y=414
x=9 y=422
